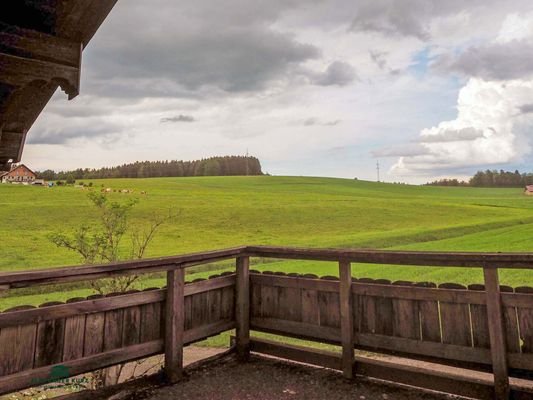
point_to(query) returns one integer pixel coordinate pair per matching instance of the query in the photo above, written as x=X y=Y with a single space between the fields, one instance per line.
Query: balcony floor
x=270 y=379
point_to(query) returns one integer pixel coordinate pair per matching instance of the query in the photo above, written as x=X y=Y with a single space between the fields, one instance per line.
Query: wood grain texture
x=455 y=320
x=242 y=308
x=497 y=334
x=346 y=317
x=175 y=325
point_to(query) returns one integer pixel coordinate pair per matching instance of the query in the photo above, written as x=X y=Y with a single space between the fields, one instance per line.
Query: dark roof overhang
x=41 y=43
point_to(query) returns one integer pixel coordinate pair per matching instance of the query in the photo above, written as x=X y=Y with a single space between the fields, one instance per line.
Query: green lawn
x=219 y=212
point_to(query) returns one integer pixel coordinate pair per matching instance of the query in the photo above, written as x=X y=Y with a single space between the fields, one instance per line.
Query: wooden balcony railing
x=483 y=334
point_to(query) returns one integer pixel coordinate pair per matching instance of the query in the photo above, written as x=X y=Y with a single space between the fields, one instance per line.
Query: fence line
x=480 y=327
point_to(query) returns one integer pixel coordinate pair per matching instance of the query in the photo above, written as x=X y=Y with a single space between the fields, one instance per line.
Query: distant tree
x=70 y=179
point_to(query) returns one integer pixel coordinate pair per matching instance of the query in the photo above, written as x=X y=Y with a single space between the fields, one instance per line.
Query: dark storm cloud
x=178 y=118
x=495 y=61
x=220 y=46
x=104 y=131
x=338 y=73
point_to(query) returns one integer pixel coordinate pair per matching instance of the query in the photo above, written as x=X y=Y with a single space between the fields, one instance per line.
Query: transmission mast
x=377 y=168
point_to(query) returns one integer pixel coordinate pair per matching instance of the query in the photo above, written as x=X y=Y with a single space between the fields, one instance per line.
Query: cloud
x=178 y=118
x=494 y=61
x=105 y=132
x=526 y=108
x=486 y=131
x=451 y=135
x=409 y=18
x=338 y=73
x=318 y=122
x=196 y=46
x=378 y=57
x=404 y=150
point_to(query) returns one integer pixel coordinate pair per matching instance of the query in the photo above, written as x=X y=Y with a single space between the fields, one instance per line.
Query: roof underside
x=41 y=42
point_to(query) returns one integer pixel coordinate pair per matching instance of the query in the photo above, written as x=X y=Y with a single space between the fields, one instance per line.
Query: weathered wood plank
x=94 y=331
x=497 y=334
x=21 y=342
x=175 y=324
x=228 y=301
x=309 y=299
x=297 y=329
x=91 y=305
x=406 y=321
x=321 y=358
x=242 y=308
x=50 y=340
x=132 y=326
x=345 y=310
x=303 y=282
x=290 y=302
x=74 y=334
x=329 y=305
x=24 y=379
x=420 y=258
x=511 y=320
x=150 y=321
x=422 y=374
x=525 y=320
x=113 y=327
x=90 y=272
x=455 y=320
x=480 y=323
x=431 y=350
x=429 y=316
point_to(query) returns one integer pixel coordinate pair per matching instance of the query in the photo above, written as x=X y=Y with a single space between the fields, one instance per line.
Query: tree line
x=490 y=178
x=213 y=166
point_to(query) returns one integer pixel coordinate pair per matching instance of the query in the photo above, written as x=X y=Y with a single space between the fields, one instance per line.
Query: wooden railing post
x=497 y=334
x=174 y=324
x=242 y=308
x=345 y=295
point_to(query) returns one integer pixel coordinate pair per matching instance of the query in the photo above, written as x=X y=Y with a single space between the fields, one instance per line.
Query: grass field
x=218 y=212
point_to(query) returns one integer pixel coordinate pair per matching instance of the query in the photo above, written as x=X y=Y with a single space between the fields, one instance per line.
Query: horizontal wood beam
x=21 y=71
x=25 y=379
x=415 y=258
x=79 y=273
x=397 y=370
x=36 y=315
x=39 y=46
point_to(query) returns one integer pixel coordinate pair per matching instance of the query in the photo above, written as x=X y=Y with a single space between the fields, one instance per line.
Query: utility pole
x=377 y=168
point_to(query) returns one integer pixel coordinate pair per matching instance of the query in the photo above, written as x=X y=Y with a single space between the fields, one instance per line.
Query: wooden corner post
x=242 y=308
x=174 y=324
x=345 y=296
x=497 y=334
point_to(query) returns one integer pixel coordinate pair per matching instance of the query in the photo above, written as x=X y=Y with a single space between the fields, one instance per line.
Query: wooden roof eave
x=34 y=64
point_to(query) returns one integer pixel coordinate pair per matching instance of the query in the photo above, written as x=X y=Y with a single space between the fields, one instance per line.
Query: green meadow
x=220 y=212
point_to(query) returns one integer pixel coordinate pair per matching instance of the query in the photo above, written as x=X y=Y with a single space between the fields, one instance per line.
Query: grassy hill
x=218 y=212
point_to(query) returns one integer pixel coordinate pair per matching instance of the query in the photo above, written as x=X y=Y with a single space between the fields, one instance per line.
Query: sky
x=427 y=88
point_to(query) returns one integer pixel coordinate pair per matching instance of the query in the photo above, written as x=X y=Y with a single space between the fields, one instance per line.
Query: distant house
x=18 y=174
x=529 y=190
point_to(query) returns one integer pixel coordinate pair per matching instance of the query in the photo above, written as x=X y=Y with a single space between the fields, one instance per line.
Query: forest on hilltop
x=490 y=178
x=213 y=166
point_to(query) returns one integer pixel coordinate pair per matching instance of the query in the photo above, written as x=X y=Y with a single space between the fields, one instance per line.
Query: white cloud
x=488 y=130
